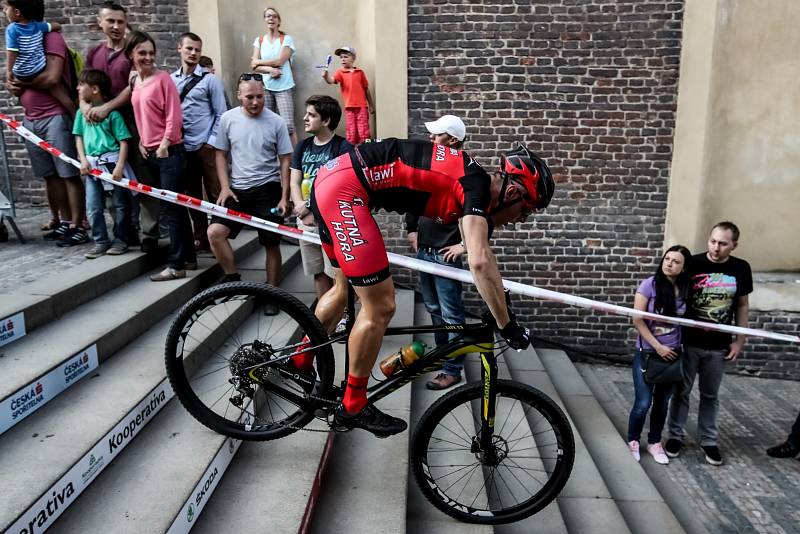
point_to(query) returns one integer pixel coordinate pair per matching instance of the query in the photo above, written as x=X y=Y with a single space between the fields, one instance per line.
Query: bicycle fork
x=483 y=443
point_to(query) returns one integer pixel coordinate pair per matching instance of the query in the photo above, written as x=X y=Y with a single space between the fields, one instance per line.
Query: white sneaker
x=633 y=446
x=657 y=452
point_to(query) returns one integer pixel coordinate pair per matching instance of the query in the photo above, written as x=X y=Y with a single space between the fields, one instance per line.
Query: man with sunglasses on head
x=423 y=178
x=260 y=152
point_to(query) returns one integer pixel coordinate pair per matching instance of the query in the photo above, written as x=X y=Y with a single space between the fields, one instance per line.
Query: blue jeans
x=794 y=435
x=444 y=302
x=171 y=174
x=96 y=207
x=647 y=395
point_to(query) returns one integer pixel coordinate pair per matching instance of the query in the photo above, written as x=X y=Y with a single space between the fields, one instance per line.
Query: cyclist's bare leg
x=331 y=306
x=377 y=309
x=329 y=310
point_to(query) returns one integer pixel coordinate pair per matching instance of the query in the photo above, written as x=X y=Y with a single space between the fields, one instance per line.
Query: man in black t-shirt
x=720 y=287
x=321 y=119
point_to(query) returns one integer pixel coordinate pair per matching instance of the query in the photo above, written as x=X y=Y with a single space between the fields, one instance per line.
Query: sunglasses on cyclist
x=247 y=76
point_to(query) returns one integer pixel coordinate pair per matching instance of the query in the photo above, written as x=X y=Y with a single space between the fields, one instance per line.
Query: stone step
x=549 y=520
x=71 y=435
x=40 y=302
x=422 y=515
x=272 y=483
x=641 y=505
x=168 y=474
x=585 y=504
x=365 y=485
x=43 y=364
x=674 y=495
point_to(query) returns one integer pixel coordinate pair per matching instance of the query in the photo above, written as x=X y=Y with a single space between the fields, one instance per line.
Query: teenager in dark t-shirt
x=720 y=285
x=320 y=120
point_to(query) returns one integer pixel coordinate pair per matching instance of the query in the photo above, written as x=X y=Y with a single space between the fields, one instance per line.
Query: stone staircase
x=99 y=444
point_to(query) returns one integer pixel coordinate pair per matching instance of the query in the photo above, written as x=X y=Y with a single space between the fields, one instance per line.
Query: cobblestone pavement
x=751 y=492
x=22 y=264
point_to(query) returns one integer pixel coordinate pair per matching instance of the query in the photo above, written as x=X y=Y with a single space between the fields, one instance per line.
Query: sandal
x=168 y=274
x=52 y=224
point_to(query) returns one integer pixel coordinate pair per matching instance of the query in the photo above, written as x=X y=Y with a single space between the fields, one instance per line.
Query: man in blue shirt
x=202 y=103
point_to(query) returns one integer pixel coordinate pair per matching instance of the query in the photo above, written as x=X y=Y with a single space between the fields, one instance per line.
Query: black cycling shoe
x=370 y=419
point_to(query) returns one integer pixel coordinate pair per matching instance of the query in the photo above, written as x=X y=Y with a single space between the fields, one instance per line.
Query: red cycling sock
x=355 y=394
x=303 y=360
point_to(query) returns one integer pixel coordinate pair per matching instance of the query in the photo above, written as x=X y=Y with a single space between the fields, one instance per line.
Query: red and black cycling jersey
x=422 y=178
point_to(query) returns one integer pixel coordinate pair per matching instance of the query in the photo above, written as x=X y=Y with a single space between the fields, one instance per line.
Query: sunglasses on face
x=247 y=76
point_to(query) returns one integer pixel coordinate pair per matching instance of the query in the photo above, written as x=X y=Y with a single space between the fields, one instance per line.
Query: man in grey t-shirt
x=260 y=152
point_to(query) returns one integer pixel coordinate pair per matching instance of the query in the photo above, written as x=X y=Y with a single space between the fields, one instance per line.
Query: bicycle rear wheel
x=223 y=354
x=531 y=458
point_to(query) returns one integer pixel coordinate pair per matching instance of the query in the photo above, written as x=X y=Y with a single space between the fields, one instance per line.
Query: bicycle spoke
x=526 y=471
x=524 y=440
x=463 y=476
x=458 y=497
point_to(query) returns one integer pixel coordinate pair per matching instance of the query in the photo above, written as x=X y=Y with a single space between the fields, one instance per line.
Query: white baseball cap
x=449 y=124
x=347 y=48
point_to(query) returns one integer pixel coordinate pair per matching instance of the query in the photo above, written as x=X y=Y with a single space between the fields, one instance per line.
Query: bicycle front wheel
x=530 y=460
x=224 y=352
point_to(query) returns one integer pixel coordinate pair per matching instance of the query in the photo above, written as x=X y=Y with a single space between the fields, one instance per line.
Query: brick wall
x=164 y=19
x=591 y=86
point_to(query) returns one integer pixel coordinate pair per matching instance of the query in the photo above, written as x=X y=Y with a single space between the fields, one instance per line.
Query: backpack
x=75 y=65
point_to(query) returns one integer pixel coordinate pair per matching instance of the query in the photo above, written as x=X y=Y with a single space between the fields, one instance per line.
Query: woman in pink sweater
x=157 y=110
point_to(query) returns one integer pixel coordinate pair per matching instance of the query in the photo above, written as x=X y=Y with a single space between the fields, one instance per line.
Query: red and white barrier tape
x=395 y=259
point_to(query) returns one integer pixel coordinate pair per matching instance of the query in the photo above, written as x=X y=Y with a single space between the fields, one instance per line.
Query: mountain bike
x=490 y=451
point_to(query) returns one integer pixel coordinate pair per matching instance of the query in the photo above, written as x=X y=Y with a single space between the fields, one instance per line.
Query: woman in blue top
x=665 y=294
x=272 y=56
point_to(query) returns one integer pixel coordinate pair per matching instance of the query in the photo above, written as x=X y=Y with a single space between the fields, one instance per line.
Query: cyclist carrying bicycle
x=423 y=178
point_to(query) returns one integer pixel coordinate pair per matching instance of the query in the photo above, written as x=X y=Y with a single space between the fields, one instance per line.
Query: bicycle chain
x=326 y=419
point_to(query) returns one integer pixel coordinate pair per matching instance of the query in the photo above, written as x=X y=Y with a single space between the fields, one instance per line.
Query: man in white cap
x=441 y=243
x=447 y=130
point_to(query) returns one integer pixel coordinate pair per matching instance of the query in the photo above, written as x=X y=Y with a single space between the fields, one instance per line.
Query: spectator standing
x=791 y=447
x=272 y=57
x=103 y=145
x=47 y=118
x=720 y=285
x=358 y=104
x=665 y=293
x=110 y=57
x=157 y=109
x=208 y=64
x=441 y=243
x=321 y=119
x=260 y=152
x=202 y=103
x=25 y=57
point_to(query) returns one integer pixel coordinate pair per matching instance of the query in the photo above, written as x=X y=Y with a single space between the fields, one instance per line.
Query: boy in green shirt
x=103 y=145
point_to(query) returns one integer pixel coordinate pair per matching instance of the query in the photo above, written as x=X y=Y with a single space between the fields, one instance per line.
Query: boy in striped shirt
x=25 y=57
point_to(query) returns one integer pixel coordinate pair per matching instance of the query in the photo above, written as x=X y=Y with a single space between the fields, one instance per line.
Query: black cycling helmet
x=527 y=169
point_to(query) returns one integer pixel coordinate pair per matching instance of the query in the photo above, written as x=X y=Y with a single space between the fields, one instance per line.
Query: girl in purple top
x=664 y=293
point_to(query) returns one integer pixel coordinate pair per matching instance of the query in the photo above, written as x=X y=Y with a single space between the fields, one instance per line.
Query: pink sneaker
x=633 y=446
x=657 y=452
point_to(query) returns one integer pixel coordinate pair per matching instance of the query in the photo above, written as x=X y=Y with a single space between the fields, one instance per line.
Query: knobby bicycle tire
x=223 y=330
x=457 y=480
